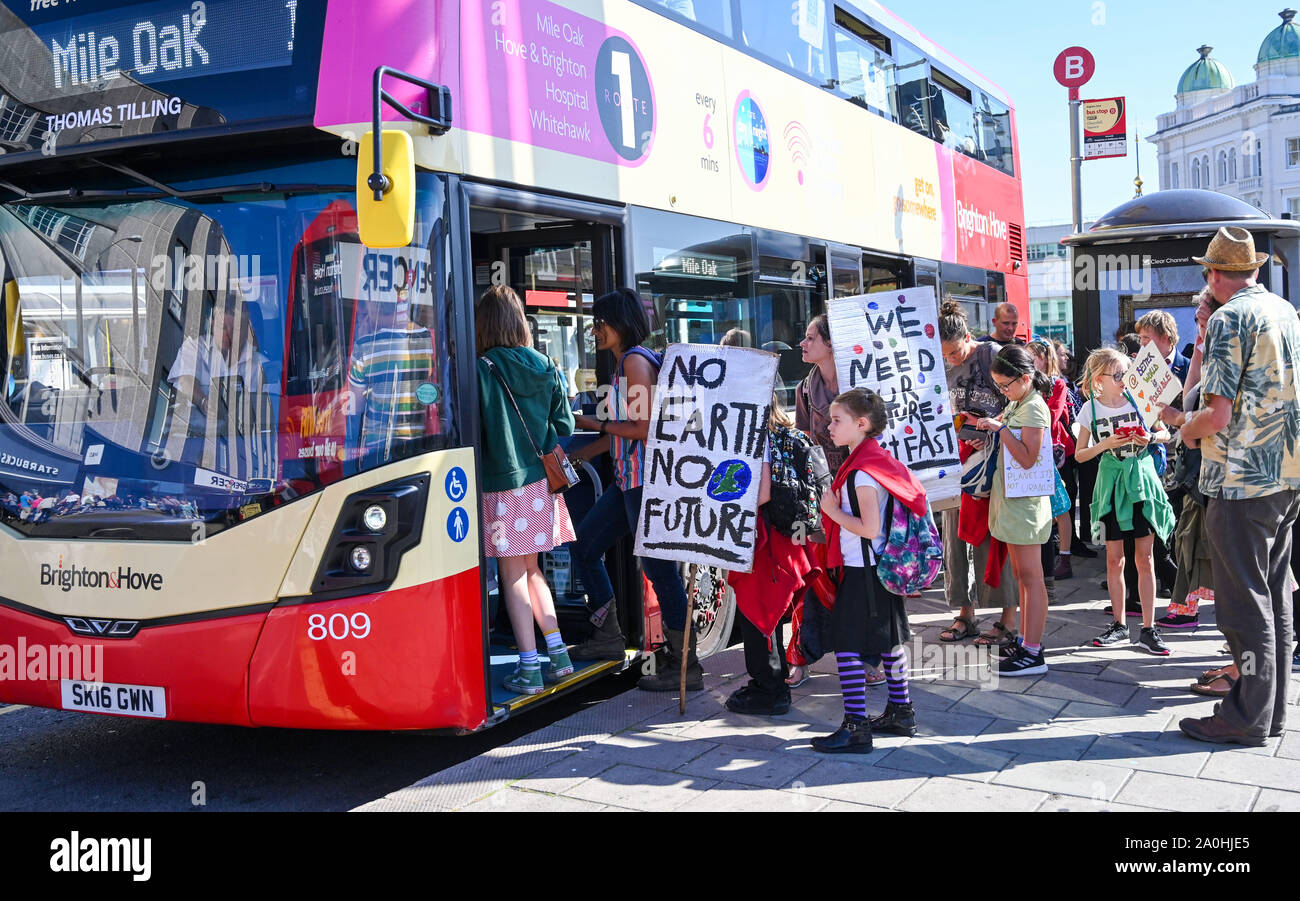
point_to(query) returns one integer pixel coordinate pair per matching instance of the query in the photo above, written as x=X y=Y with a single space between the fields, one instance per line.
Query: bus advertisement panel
x=550 y=97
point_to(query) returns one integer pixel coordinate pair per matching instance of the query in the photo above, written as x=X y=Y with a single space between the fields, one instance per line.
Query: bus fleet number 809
x=338 y=626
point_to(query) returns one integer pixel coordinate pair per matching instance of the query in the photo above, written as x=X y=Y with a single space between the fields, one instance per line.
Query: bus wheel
x=715 y=608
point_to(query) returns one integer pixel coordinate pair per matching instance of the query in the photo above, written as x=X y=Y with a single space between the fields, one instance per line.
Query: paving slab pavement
x=1097 y=732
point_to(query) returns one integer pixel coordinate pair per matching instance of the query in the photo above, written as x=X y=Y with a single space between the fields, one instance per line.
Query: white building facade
x=1241 y=140
x=1051 y=306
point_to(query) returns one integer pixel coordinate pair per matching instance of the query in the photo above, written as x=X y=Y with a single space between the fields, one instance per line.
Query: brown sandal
x=999 y=634
x=1205 y=685
x=968 y=630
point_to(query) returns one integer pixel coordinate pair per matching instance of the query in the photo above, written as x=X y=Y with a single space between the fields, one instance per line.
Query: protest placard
x=889 y=342
x=1152 y=383
x=1038 y=480
x=704 y=455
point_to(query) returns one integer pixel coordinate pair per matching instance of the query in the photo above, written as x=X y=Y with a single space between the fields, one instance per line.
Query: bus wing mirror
x=386 y=161
x=386 y=189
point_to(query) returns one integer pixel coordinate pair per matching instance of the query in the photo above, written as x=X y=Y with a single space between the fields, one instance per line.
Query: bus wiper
x=261 y=187
x=74 y=194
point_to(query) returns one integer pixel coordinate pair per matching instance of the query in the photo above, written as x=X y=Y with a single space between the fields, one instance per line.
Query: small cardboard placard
x=1152 y=383
x=704 y=455
x=1038 y=480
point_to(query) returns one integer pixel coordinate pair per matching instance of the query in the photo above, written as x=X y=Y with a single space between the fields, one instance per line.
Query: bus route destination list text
x=582 y=98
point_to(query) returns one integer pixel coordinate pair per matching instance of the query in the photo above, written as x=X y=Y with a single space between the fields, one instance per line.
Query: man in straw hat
x=1250 y=474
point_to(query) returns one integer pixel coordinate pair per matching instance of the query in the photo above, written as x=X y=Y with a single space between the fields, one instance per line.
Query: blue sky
x=1141 y=48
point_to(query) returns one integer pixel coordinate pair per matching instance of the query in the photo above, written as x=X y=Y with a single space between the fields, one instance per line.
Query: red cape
x=870 y=457
x=782 y=570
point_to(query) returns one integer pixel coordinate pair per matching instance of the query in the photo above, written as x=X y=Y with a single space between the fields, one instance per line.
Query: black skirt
x=868 y=619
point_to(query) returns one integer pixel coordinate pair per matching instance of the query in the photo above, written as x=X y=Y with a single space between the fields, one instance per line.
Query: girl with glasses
x=1023 y=524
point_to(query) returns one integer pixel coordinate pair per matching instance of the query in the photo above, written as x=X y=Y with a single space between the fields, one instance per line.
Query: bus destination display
x=168 y=40
x=85 y=71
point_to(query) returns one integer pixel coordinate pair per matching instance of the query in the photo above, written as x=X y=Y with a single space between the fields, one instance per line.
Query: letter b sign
x=1074 y=67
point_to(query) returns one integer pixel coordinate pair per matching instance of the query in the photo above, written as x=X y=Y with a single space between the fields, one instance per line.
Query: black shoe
x=1022 y=663
x=758 y=702
x=1116 y=634
x=669 y=675
x=1178 y=621
x=898 y=719
x=852 y=737
x=1295 y=660
x=606 y=642
x=1079 y=549
x=1150 y=641
x=1130 y=610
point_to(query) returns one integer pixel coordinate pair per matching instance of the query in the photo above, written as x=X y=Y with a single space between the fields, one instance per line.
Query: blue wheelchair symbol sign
x=456 y=484
x=458 y=524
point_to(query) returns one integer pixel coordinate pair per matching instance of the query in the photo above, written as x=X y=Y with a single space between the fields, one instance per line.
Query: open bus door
x=558 y=267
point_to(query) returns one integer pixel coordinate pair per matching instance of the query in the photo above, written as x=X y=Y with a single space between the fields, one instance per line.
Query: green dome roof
x=1205 y=74
x=1282 y=42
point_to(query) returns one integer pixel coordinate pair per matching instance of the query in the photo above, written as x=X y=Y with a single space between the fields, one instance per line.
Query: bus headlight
x=375 y=527
x=360 y=556
x=375 y=518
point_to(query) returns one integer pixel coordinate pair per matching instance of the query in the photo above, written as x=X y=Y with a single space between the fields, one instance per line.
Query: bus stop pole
x=1076 y=163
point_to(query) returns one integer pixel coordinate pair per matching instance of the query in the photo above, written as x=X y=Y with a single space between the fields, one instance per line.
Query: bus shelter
x=1138 y=258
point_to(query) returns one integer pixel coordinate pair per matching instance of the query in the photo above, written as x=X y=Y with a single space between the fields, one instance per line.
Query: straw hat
x=1232 y=250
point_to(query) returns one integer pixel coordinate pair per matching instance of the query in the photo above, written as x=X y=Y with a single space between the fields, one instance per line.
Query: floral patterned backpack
x=913 y=554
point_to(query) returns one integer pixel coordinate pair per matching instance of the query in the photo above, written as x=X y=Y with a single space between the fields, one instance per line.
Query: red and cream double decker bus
x=187 y=483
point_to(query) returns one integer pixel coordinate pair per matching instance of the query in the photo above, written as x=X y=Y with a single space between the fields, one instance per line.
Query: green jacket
x=1123 y=483
x=509 y=460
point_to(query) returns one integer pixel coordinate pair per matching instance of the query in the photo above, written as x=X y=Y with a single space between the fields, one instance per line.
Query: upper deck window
x=952 y=114
x=792 y=34
x=866 y=68
x=911 y=75
x=714 y=15
x=995 y=134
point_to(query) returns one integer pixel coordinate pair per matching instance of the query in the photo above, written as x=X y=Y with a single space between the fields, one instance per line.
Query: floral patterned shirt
x=1252 y=358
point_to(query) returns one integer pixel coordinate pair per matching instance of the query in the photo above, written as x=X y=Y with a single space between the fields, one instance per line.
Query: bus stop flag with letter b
x=704 y=455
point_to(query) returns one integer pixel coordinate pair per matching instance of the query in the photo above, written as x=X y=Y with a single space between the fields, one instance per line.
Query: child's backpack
x=799 y=477
x=913 y=554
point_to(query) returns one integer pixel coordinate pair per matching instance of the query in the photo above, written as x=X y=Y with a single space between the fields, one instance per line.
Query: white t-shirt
x=1109 y=419
x=851 y=544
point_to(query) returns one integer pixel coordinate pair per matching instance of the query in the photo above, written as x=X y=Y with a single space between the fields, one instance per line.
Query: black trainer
x=1022 y=663
x=1079 y=549
x=1116 y=634
x=756 y=702
x=852 y=737
x=898 y=719
x=1150 y=641
x=1131 y=610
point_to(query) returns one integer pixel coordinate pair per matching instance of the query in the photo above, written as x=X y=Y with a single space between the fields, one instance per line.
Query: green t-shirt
x=1021 y=520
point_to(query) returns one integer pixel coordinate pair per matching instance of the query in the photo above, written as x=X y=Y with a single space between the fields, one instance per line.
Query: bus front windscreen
x=168 y=363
